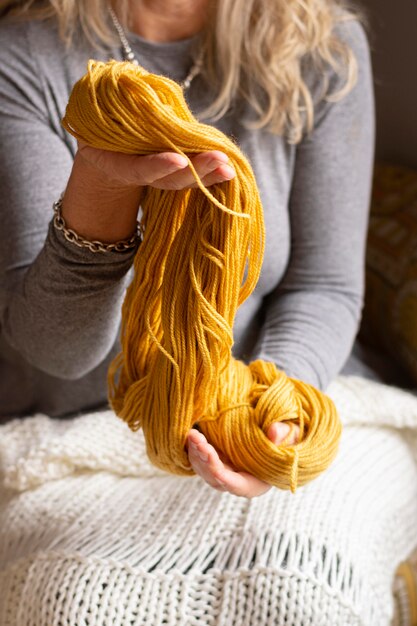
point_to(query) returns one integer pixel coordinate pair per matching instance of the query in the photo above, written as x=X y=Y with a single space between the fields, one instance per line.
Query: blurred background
x=393 y=38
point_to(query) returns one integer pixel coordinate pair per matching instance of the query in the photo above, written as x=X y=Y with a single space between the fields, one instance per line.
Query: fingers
x=164 y=170
x=205 y=460
x=130 y=169
x=211 y=167
x=154 y=168
x=283 y=433
x=219 y=475
x=219 y=175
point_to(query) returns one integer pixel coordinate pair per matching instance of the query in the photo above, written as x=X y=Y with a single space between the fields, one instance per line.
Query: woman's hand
x=164 y=170
x=220 y=475
x=105 y=188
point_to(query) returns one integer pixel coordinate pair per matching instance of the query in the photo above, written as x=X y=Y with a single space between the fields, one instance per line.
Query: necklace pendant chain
x=129 y=55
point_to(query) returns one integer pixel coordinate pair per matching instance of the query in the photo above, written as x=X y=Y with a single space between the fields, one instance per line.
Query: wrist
x=93 y=245
x=98 y=208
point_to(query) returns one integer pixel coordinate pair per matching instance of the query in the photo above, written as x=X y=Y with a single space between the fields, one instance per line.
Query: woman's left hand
x=220 y=474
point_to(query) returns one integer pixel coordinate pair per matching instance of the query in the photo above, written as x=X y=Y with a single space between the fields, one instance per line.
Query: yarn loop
x=199 y=260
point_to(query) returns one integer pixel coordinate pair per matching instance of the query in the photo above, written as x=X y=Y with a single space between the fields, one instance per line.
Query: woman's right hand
x=105 y=188
x=164 y=170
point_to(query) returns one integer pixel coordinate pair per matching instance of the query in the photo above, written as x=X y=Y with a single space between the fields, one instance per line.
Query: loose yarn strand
x=199 y=260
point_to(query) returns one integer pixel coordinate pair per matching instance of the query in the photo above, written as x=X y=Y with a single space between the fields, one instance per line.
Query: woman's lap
x=97 y=548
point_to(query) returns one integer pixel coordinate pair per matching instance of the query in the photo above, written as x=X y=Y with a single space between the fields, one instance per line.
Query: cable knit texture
x=92 y=533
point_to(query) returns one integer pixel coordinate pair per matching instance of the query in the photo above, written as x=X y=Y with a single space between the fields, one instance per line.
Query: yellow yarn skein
x=200 y=258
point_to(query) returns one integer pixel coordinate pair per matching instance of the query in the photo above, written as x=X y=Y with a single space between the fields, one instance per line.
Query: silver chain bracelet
x=93 y=246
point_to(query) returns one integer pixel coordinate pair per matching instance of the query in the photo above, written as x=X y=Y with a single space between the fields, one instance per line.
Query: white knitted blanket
x=92 y=535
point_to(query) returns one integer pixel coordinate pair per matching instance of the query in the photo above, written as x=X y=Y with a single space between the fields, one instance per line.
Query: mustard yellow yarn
x=200 y=258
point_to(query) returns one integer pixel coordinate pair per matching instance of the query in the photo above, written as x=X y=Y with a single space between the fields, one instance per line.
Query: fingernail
x=219 y=158
x=222 y=157
x=203 y=457
x=219 y=482
x=193 y=446
x=228 y=172
x=180 y=162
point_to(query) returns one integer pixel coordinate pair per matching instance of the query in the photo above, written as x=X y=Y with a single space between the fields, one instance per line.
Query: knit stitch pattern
x=92 y=534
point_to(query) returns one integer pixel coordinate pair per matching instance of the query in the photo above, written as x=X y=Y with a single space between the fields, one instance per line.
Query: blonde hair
x=253 y=49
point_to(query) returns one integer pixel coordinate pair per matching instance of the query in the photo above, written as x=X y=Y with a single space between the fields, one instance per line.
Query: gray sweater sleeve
x=312 y=316
x=60 y=305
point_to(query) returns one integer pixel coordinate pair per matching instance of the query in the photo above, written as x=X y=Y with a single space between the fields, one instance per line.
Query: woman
x=290 y=81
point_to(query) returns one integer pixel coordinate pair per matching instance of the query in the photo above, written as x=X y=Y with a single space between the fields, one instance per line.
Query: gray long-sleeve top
x=60 y=305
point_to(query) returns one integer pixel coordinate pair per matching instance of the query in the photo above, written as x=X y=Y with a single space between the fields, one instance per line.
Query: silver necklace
x=129 y=55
